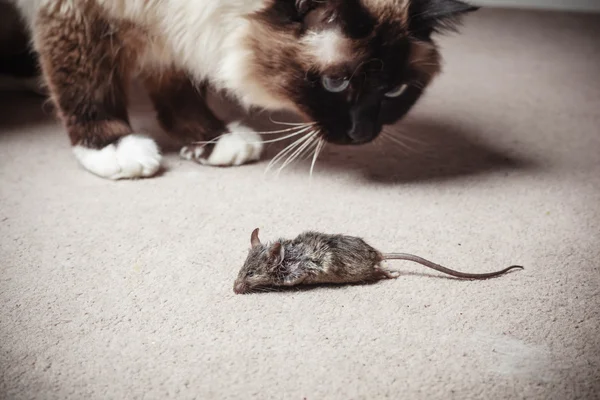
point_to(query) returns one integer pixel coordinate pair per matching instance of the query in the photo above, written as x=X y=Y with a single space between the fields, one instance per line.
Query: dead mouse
x=314 y=257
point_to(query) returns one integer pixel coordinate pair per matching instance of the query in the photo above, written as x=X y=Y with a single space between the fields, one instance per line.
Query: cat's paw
x=240 y=145
x=133 y=156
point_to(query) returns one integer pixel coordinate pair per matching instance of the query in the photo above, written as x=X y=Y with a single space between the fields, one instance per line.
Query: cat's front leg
x=184 y=113
x=87 y=72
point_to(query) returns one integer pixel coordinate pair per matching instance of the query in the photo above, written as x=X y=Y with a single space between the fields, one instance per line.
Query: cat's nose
x=365 y=124
x=363 y=131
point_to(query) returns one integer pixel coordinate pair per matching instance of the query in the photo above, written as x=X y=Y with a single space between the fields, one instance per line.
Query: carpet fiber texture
x=123 y=290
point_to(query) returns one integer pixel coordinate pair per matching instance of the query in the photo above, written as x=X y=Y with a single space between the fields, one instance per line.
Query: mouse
x=320 y=258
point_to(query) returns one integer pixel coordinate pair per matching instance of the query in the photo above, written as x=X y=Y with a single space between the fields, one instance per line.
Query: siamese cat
x=347 y=67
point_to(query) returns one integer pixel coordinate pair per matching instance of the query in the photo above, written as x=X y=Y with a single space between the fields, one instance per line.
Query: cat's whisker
x=298 y=151
x=283 y=153
x=290 y=148
x=309 y=151
x=378 y=144
x=291 y=123
x=294 y=123
x=299 y=154
x=299 y=130
x=285 y=137
x=422 y=151
x=399 y=146
x=320 y=145
x=205 y=142
x=285 y=130
x=400 y=143
x=399 y=134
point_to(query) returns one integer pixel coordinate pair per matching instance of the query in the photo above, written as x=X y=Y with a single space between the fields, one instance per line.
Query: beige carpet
x=124 y=290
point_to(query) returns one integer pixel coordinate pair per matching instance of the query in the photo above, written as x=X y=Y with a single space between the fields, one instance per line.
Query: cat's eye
x=335 y=85
x=397 y=92
x=249 y=274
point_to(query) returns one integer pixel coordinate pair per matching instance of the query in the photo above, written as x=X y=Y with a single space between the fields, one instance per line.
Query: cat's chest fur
x=207 y=38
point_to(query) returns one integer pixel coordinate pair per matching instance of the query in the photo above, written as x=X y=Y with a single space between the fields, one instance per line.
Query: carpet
x=123 y=290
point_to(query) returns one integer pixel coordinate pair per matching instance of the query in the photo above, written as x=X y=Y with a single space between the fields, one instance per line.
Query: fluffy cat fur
x=349 y=66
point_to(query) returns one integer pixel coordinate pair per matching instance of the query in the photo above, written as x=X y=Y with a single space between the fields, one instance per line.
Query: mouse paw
x=389 y=274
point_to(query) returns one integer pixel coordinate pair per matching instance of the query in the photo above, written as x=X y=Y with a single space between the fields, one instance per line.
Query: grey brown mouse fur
x=313 y=258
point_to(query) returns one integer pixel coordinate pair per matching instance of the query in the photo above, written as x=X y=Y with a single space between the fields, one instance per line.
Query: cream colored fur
x=207 y=38
x=327 y=48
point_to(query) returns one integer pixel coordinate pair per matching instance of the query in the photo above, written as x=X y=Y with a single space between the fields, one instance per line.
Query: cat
x=348 y=67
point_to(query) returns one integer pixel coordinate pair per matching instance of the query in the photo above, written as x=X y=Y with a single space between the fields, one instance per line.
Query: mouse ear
x=254 y=240
x=276 y=251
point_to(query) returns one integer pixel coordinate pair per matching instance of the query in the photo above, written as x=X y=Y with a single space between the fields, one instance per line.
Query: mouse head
x=261 y=265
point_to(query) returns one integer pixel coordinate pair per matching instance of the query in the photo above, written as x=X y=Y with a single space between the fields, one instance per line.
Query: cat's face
x=350 y=66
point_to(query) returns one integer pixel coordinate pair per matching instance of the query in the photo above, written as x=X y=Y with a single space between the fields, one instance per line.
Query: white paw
x=241 y=145
x=133 y=156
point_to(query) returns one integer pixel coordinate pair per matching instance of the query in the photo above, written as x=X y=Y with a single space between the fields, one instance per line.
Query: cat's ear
x=254 y=240
x=276 y=252
x=428 y=16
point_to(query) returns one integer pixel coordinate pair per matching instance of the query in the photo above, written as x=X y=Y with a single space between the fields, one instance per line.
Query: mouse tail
x=448 y=271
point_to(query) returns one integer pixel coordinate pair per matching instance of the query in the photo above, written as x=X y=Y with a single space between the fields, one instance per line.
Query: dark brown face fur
x=351 y=66
x=261 y=266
